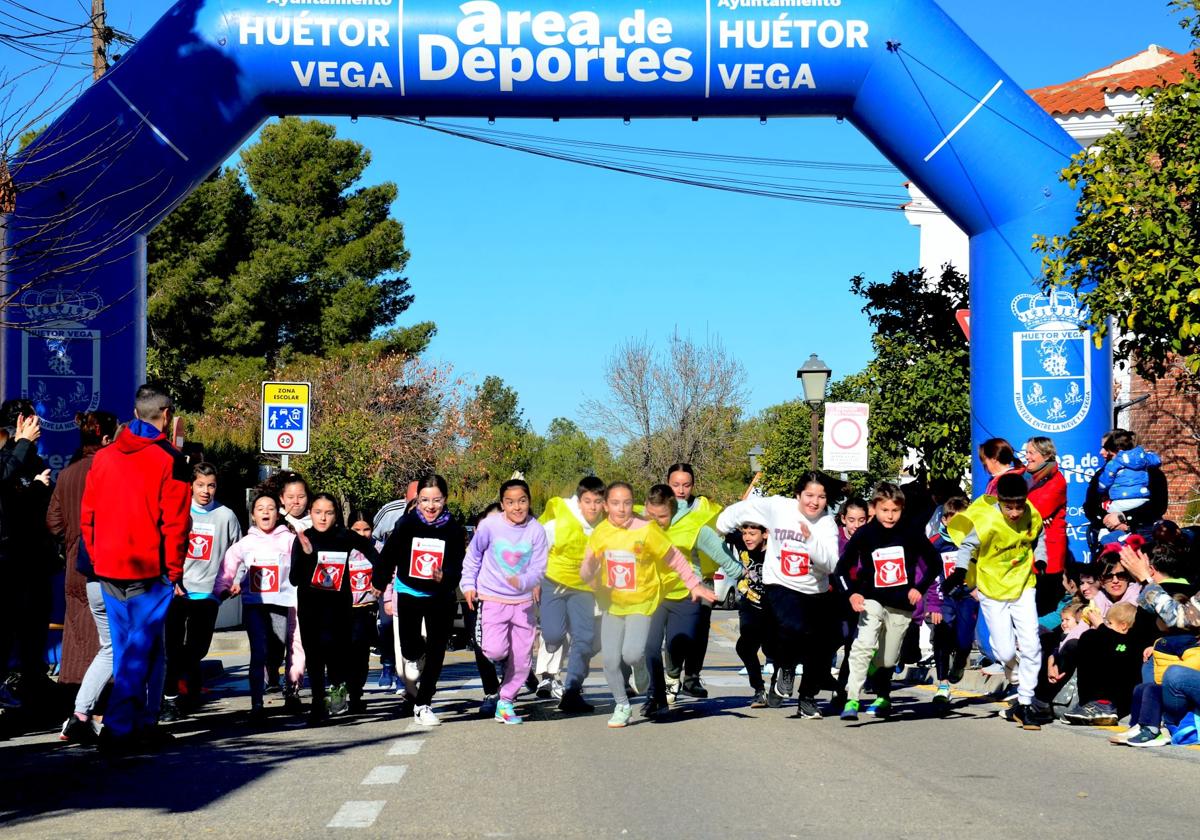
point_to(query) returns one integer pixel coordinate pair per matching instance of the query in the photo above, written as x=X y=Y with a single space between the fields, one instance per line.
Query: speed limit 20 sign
x=285 y=417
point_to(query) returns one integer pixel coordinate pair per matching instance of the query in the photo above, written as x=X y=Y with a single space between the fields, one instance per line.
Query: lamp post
x=755 y=454
x=814 y=376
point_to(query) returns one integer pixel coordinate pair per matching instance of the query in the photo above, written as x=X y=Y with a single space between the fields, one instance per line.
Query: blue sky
x=535 y=269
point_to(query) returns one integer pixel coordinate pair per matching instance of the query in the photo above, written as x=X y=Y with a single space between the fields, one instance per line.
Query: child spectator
x=1125 y=478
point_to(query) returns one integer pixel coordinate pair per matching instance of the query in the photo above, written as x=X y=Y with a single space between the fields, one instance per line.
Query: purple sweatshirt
x=500 y=550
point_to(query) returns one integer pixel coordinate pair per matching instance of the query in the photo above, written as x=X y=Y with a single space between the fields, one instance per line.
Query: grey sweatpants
x=622 y=637
x=101 y=669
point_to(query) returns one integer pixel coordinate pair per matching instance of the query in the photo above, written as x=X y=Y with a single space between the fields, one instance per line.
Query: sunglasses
x=1117 y=576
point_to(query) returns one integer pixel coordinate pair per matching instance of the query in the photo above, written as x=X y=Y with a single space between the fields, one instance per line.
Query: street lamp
x=755 y=453
x=814 y=376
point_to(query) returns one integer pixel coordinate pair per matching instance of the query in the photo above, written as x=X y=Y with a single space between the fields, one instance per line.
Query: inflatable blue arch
x=211 y=71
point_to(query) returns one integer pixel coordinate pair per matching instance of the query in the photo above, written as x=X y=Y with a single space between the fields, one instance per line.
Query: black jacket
x=412 y=561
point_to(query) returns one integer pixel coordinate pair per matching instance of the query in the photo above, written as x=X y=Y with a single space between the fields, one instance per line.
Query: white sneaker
x=672 y=690
x=424 y=715
x=1123 y=737
x=412 y=670
x=768 y=669
x=556 y=689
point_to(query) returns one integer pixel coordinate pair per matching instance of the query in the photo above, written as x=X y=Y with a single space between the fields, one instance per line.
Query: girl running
x=423 y=561
x=801 y=554
x=257 y=567
x=630 y=556
x=503 y=572
x=294 y=497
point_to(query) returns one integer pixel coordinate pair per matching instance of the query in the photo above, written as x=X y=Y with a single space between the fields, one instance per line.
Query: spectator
x=135 y=525
x=391 y=513
x=25 y=544
x=1125 y=477
x=1048 y=493
x=996 y=455
x=87 y=646
x=1141 y=518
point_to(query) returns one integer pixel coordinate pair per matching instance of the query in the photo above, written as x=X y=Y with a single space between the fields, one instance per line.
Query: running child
x=501 y=578
x=1002 y=536
x=801 y=554
x=294 y=496
x=626 y=559
x=755 y=625
x=258 y=567
x=854 y=514
x=568 y=605
x=365 y=615
x=423 y=561
x=192 y=615
x=951 y=616
x=894 y=566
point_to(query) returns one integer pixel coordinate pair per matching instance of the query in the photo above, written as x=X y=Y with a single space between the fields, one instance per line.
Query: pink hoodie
x=260 y=563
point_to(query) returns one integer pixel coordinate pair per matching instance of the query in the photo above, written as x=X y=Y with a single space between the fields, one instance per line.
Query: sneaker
x=620 y=716
x=76 y=731
x=774 y=701
x=639 y=678
x=768 y=669
x=958 y=665
x=506 y=714
x=942 y=695
x=336 y=701
x=693 y=687
x=850 y=710
x=784 y=682
x=572 y=703
x=557 y=689
x=1150 y=738
x=531 y=683
x=291 y=700
x=1097 y=713
x=672 y=690
x=387 y=676
x=1123 y=737
x=170 y=711
x=655 y=709
x=425 y=717
x=488 y=707
x=759 y=700
x=881 y=708
x=356 y=705
x=992 y=669
x=808 y=709
x=544 y=688
x=1023 y=714
x=8 y=697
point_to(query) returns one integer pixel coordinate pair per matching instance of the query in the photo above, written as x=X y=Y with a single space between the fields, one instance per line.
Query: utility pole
x=100 y=39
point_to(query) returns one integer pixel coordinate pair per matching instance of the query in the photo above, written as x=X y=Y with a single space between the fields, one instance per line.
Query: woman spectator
x=1048 y=493
x=996 y=455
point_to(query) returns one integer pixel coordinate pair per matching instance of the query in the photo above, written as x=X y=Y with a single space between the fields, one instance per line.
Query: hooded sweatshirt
x=500 y=550
x=135 y=512
x=260 y=562
x=328 y=574
x=214 y=529
x=1125 y=475
x=890 y=562
x=802 y=564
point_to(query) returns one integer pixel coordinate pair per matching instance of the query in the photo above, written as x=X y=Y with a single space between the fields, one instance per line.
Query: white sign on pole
x=845 y=448
x=286 y=413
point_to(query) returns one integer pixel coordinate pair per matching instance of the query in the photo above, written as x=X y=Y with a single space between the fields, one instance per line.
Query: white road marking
x=357 y=814
x=407 y=746
x=724 y=643
x=386 y=774
x=965 y=120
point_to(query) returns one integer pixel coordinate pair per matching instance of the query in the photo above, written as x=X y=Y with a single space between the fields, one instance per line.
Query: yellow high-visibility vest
x=1004 y=564
x=570 y=545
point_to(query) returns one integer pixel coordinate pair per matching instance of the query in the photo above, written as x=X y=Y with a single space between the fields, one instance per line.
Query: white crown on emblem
x=61 y=304
x=1057 y=307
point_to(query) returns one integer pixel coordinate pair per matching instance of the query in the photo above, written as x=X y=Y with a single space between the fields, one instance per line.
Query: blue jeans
x=674 y=624
x=136 y=618
x=569 y=611
x=1181 y=693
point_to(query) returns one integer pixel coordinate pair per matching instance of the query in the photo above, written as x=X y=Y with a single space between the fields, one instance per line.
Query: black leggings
x=802 y=626
x=189 y=632
x=362 y=639
x=756 y=630
x=325 y=630
x=437 y=611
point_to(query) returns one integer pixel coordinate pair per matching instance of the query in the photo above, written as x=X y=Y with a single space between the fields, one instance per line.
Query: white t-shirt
x=800 y=564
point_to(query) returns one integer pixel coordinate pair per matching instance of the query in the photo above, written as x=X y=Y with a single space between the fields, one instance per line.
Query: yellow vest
x=683 y=533
x=631 y=563
x=570 y=545
x=1004 y=565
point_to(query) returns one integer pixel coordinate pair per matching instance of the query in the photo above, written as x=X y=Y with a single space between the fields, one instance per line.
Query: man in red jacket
x=135 y=520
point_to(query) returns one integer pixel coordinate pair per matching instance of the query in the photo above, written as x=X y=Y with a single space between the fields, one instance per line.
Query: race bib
x=889 y=566
x=426 y=557
x=200 y=541
x=360 y=573
x=948 y=562
x=622 y=570
x=264 y=574
x=331 y=568
x=794 y=560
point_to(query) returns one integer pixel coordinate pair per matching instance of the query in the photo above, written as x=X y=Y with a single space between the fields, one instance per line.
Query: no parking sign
x=845 y=448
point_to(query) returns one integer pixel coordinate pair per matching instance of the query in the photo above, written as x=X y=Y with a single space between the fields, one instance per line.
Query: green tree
x=1133 y=256
x=920 y=376
x=283 y=255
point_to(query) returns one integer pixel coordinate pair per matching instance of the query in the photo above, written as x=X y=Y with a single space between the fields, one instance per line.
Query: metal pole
x=283 y=461
x=813 y=437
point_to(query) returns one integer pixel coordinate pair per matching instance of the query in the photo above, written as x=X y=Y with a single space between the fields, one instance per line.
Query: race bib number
x=331 y=568
x=360 y=573
x=426 y=557
x=622 y=570
x=264 y=574
x=794 y=560
x=889 y=566
x=948 y=562
x=200 y=542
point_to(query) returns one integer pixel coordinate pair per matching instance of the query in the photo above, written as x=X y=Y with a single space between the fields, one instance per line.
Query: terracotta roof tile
x=1082 y=95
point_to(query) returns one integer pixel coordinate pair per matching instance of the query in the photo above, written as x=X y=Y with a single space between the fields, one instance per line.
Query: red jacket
x=1049 y=495
x=136 y=510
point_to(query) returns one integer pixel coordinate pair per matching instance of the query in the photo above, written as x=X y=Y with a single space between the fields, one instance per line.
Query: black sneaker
x=76 y=731
x=531 y=683
x=1097 y=713
x=692 y=687
x=807 y=708
x=774 y=701
x=170 y=711
x=784 y=682
x=1023 y=714
x=759 y=700
x=655 y=710
x=572 y=703
x=958 y=665
x=544 y=688
x=292 y=704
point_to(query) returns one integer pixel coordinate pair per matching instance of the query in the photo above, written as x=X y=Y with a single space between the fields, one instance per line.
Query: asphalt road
x=718 y=769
